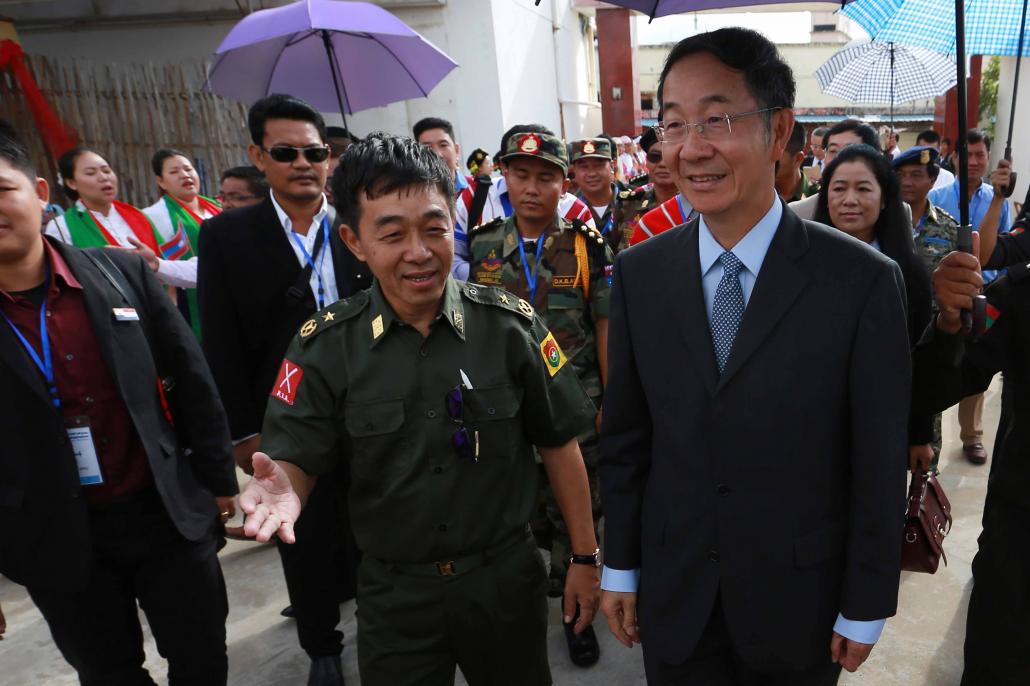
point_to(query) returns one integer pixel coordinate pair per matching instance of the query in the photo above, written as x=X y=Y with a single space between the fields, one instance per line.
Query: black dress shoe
x=583 y=648
x=326 y=671
x=288 y=612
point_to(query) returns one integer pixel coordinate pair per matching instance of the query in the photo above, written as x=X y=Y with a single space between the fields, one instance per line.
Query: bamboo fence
x=126 y=112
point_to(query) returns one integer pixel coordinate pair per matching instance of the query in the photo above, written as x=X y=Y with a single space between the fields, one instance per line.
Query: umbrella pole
x=330 y=54
x=892 y=90
x=1015 y=92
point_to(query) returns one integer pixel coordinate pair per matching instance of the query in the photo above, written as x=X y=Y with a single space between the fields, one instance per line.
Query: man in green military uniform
x=562 y=268
x=936 y=235
x=435 y=392
x=635 y=203
x=594 y=165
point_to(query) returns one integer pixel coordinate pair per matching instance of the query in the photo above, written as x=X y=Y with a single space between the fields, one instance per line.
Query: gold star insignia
x=504 y=298
x=328 y=316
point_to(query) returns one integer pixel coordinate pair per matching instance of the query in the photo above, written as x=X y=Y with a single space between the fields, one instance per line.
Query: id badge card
x=81 y=438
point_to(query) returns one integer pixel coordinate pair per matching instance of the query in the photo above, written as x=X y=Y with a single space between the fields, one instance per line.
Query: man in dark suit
x=755 y=429
x=265 y=270
x=115 y=457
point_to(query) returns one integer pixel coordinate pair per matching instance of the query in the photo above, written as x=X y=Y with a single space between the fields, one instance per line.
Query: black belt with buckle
x=463 y=564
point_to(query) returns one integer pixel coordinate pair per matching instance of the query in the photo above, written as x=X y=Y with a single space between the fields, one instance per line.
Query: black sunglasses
x=654 y=157
x=464 y=442
x=288 y=153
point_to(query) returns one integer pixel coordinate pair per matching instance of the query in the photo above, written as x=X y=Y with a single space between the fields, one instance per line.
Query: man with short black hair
x=266 y=269
x=791 y=184
x=444 y=391
x=438 y=134
x=116 y=463
x=242 y=186
x=839 y=136
x=815 y=158
x=687 y=465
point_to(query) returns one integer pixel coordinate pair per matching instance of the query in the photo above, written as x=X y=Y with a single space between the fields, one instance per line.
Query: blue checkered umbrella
x=991 y=26
x=874 y=72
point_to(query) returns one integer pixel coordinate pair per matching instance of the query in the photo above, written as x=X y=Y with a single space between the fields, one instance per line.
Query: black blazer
x=47 y=538
x=246 y=265
x=780 y=485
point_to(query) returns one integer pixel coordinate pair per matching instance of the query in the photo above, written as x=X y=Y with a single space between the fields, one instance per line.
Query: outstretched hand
x=269 y=502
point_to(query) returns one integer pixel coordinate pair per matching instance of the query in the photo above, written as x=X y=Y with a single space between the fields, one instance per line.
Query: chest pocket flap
x=364 y=420
x=493 y=412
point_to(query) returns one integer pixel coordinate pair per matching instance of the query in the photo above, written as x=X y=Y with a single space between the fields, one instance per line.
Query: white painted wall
x=1021 y=136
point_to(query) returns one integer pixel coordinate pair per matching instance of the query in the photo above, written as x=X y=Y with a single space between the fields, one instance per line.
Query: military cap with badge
x=922 y=155
x=540 y=145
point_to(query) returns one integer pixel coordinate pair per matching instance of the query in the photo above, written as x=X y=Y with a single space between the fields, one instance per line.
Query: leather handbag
x=927 y=522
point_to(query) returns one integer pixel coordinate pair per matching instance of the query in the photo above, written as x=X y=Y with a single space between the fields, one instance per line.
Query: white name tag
x=125 y=314
x=86 y=458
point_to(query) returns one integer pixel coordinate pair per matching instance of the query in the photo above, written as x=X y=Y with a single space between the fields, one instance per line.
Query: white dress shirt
x=323 y=261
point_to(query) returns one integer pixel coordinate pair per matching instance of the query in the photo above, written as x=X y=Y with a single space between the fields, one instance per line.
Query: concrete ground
x=921 y=646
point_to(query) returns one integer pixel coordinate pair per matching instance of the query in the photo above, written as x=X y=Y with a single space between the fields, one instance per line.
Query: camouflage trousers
x=548 y=525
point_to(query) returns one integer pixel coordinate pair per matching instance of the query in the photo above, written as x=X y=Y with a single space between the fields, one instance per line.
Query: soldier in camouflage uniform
x=594 y=165
x=936 y=231
x=563 y=269
x=633 y=204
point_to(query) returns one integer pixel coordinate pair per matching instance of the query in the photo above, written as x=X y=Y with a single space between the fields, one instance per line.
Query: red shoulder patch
x=287 y=383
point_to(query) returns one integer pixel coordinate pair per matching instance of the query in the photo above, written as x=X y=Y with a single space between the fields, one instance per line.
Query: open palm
x=269 y=502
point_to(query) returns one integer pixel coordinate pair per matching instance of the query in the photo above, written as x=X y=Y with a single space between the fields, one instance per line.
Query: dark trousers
x=320 y=567
x=138 y=556
x=997 y=648
x=415 y=626
x=715 y=663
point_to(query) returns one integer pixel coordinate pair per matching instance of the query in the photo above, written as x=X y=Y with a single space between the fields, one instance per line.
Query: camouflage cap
x=540 y=145
x=592 y=147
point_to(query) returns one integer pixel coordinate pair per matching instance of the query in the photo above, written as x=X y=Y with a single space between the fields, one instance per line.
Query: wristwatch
x=593 y=559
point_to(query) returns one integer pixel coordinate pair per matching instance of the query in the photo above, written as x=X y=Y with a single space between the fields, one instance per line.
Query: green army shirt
x=572 y=291
x=631 y=206
x=359 y=384
x=936 y=235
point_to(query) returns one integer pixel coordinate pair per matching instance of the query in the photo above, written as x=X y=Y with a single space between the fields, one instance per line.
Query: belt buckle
x=445 y=568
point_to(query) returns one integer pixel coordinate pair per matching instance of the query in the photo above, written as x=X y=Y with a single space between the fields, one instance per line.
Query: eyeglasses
x=464 y=442
x=654 y=157
x=235 y=197
x=288 y=153
x=712 y=128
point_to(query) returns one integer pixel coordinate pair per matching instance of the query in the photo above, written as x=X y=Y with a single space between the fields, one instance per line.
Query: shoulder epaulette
x=943 y=215
x=590 y=232
x=339 y=311
x=498 y=297
x=492 y=224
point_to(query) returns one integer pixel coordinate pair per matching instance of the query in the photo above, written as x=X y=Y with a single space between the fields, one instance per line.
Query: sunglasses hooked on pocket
x=464 y=441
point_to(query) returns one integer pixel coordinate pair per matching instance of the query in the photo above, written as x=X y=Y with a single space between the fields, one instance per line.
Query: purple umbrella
x=370 y=56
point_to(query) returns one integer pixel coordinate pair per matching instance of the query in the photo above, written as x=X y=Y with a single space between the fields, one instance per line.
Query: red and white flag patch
x=287 y=383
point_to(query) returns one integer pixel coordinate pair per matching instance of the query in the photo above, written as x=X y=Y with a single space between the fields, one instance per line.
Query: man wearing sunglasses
x=265 y=270
x=634 y=204
x=444 y=390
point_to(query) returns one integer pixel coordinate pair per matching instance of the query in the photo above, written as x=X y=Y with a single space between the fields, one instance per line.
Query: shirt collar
x=285 y=220
x=82 y=208
x=382 y=315
x=750 y=250
x=59 y=269
x=460 y=182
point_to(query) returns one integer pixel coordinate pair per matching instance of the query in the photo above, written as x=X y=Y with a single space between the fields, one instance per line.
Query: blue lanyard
x=46 y=364
x=505 y=204
x=317 y=269
x=608 y=224
x=531 y=276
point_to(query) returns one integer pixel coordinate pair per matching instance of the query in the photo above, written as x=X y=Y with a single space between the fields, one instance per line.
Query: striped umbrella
x=873 y=72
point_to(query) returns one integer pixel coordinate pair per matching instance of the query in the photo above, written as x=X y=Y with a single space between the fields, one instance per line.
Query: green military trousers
x=487 y=616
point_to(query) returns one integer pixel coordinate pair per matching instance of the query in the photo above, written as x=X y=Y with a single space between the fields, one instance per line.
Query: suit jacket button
x=713 y=555
x=723 y=489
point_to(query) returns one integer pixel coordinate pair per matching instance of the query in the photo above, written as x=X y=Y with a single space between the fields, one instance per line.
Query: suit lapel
x=274 y=243
x=685 y=277
x=100 y=300
x=779 y=283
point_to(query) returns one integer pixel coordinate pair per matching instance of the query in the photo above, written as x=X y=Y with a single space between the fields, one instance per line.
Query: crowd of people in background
x=471 y=354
